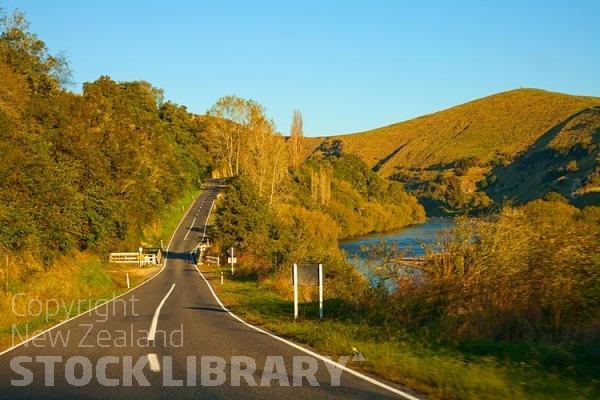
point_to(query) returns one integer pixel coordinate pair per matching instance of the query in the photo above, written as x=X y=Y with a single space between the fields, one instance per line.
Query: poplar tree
x=295 y=141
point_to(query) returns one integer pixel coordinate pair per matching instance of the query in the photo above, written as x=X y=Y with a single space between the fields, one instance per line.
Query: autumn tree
x=320 y=184
x=229 y=116
x=28 y=55
x=244 y=141
x=264 y=156
x=296 y=139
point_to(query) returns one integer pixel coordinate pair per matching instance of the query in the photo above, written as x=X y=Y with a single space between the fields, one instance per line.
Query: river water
x=410 y=240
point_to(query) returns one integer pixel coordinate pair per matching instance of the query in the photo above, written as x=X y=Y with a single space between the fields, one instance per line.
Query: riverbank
x=478 y=327
x=411 y=240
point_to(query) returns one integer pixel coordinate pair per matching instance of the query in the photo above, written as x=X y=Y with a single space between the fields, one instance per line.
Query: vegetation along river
x=411 y=240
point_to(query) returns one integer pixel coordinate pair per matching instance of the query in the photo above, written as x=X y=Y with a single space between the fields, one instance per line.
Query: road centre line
x=189 y=229
x=154 y=324
x=207 y=217
x=154 y=364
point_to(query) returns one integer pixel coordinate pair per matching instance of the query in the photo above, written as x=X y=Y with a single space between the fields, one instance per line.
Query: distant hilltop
x=512 y=146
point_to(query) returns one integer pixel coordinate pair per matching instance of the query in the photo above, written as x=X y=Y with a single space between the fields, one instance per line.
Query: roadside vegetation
x=508 y=307
x=81 y=282
x=76 y=281
x=82 y=175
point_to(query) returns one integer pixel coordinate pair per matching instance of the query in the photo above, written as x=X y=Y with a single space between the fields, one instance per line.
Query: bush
x=531 y=273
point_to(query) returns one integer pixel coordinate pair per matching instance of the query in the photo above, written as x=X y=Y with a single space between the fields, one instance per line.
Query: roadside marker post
x=307 y=275
x=295 y=283
x=320 y=291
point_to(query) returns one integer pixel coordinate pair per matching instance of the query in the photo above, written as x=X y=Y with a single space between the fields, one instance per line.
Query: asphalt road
x=199 y=350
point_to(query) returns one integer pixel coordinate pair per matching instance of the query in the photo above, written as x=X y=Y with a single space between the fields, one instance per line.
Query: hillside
x=95 y=168
x=516 y=145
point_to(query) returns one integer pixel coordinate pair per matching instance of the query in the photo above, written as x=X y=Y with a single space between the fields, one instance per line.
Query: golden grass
x=77 y=281
x=79 y=278
x=507 y=122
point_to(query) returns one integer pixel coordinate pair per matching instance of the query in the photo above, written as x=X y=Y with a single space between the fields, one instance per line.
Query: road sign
x=307 y=275
x=231 y=260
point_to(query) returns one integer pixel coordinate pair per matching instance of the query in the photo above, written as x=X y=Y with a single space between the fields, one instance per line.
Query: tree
x=320 y=185
x=230 y=115
x=26 y=53
x=296 y=139
x=242 y=218
x=264 y=154
x=244 y=143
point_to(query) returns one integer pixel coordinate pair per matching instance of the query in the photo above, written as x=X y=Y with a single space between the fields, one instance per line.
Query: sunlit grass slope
x=498 y=126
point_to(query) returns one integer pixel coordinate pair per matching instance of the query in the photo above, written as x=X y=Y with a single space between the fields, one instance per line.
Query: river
x=410 y=239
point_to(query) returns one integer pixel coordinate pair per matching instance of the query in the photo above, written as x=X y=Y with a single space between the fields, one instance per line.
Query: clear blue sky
x=346 y=65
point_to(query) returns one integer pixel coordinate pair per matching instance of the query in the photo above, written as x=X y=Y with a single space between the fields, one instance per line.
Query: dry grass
x=79 y=280
x=506 y=122
x=441 y=372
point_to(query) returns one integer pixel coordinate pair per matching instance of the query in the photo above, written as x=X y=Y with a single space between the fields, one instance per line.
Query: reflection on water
x=411 y=240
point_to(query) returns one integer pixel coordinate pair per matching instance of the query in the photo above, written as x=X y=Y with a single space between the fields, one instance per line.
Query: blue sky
x=346 y=65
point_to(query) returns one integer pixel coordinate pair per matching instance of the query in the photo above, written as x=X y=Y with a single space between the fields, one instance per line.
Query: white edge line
x=108 y=301
x=154 y=324
x=154 y=364
x=312 y=353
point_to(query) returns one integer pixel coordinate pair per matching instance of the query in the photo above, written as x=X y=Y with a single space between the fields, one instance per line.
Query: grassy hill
x=516 y=145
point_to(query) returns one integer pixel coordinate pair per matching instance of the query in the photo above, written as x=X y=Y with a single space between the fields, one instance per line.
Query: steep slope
x=506 y=122
x=448 y=157
x=564 y=160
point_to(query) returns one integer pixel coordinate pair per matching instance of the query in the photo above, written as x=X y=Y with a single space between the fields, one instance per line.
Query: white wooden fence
x=213 y=260
x=133 y=258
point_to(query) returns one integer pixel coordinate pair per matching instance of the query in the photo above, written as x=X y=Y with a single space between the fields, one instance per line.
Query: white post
x=321 y=291
x=221 y=277
x=127 y=273
x=232 y=261
x=7 y=266
x=140 y=258
x=295 y=278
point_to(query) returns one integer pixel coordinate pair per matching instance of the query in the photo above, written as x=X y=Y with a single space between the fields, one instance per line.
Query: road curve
x=171 y=337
